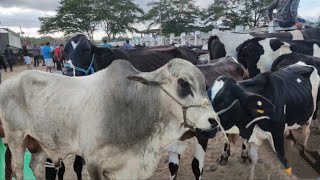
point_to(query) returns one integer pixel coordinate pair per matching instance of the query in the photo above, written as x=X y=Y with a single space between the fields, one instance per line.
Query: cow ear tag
x=260 y=111
x=289 y=170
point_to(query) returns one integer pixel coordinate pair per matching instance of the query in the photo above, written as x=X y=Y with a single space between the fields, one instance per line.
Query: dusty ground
x=268 y=164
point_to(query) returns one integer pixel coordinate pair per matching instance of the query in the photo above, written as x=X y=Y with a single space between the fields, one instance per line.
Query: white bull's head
x=183 y=90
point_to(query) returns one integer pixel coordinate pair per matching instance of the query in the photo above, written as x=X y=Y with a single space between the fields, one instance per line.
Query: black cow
x=258 y=54
x=267 y=106
x=88 y=58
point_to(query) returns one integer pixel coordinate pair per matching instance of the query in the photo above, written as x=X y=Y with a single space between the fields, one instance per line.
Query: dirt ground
x=268 y=164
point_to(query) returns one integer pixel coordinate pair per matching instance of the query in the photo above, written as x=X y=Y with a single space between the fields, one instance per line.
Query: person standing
x=36 y=55
x=41 y=54
x=2 y=66
x=127 y=45
x=287 y=11
x=46 y=52
x=105 y=44
x=26 y=56
x=58 y=56
x=9 y=56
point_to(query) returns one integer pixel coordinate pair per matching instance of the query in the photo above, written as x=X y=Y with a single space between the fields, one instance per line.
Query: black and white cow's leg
x=51 y=171
x=61 y=171
x=226 y=153
x=174 y=161
x=199 y=154
x=244 y=153
x=77 y=166
x=174 y=152
x=37 y=164
x=306 y=133
x=278 y=138
x=253 y=154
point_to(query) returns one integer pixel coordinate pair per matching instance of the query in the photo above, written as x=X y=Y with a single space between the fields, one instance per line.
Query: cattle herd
x=141 y=102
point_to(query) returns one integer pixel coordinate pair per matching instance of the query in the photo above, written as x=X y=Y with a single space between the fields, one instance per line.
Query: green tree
x=252 y=13
x=73 y=16
x=174 y=16
x=118 y=17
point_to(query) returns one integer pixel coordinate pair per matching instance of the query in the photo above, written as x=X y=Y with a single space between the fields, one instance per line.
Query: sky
x=25 y=13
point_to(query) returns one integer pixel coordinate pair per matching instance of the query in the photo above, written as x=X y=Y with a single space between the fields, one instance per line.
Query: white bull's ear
x=149 y=78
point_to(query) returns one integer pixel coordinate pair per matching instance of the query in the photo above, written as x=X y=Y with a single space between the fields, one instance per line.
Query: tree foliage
x=73 y=16
x=174 y=16
x=252 y=13
x=118 y=17
x=85 y=16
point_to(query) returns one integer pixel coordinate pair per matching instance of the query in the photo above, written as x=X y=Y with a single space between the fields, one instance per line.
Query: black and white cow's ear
x=149 y=78
x=258 y=104
x=275 y=44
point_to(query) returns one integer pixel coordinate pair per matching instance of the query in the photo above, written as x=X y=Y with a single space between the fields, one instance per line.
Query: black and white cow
x=223 y=44
x=267 y=106
x=226 y=66
x=306 y=34
x=292 y=58
x=258 y=54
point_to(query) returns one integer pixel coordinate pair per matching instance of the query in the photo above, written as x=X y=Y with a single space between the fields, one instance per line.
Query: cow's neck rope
x=185 y=108
x=89 y=70
x=251 y=122
x=205 y=104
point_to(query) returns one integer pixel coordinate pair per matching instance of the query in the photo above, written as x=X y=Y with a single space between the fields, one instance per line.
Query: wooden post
x=171 y=38
x=196 y=39
x=183 y=38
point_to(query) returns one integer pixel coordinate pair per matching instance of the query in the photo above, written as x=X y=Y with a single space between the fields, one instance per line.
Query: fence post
x=183 y=38
x=196 y=42
x=171 y=38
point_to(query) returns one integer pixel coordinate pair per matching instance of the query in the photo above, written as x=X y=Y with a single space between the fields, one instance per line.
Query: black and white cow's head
x=237 y=106
x=82 y=52
x=258 y=54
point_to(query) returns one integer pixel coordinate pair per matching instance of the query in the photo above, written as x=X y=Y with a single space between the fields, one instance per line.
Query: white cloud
x=43 y=5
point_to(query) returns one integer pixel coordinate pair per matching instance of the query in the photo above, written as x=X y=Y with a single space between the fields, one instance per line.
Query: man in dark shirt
x=2 y=66
x=287 y=11
x=9 y=56
x=36 y=55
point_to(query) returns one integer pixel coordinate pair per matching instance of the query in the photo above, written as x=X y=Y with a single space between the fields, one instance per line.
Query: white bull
x=119 y=126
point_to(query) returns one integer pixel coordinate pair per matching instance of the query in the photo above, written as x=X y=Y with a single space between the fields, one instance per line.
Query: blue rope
x=90 y=69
